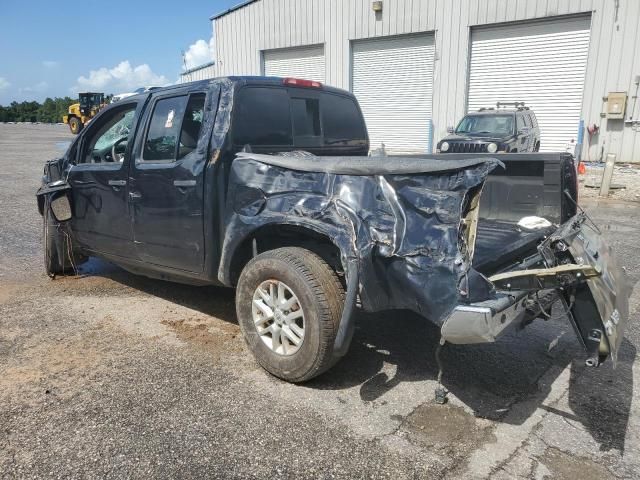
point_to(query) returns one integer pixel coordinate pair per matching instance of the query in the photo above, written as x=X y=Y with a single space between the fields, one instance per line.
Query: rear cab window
x=263 y=117
x=302 y=118
x=342 y=120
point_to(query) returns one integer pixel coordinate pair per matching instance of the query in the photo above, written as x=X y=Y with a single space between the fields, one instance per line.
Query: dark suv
x=494 y=130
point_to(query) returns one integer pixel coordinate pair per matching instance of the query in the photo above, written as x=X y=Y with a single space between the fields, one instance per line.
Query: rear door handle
x=184 y=183
x=133 y=196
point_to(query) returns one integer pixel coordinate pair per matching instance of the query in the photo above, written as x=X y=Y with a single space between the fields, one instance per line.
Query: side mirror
x=61 y=208
x=449 y=129
x=524 y=131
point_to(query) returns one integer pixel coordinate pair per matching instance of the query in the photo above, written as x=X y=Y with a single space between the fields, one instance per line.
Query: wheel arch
x=275 y=235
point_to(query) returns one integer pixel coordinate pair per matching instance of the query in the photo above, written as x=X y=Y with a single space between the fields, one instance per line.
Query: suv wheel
x=289 y=303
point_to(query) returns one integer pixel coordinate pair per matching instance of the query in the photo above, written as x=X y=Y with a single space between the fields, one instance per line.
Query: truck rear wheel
x=289 y=303
x=75 y=125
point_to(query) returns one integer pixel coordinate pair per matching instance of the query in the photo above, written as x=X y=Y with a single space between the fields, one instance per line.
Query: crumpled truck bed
x=398 y=222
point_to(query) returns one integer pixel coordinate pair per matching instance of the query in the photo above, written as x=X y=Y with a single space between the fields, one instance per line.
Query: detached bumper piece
x=483 y=322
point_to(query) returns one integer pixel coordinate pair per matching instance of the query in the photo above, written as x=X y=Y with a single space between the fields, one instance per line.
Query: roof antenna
x=184 y=64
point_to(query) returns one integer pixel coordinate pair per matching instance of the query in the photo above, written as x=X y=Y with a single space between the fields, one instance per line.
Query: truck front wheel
x=53 y=242
x=289 y=303
x=75 y=125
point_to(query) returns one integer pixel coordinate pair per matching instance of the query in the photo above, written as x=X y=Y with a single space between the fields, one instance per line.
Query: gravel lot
x=111 y=375
x=626 y=179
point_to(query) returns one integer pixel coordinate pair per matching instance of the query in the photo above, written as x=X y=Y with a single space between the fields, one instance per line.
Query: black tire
x=537 y=147
x=52 y=264
x=55 y=242
x=321 y=297
x=75 y=125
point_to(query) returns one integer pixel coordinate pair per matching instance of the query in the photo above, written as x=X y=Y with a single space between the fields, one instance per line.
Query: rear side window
x=174 y=128
x=341 y=120
x=191 y=125
x=263 y=117
x=521 y=123
x=164 y=129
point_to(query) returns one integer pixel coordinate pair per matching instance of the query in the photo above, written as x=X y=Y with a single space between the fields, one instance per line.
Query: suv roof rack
x=516 y=105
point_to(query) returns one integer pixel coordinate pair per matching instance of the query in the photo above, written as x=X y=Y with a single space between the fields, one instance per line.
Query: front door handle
x=117 y=183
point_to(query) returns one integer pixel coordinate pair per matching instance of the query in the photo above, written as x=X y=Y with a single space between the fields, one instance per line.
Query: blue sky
x=50 y=48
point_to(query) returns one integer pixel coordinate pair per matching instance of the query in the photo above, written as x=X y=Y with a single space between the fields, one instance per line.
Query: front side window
x=529 y=120
x=263 y=117
x=109 y=141
x=486 y=125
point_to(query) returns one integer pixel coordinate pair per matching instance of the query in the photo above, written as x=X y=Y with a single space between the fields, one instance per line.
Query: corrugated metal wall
x=614 y=58
x=198 y=73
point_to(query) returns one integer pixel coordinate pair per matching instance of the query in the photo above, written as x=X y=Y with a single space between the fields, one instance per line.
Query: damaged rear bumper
x=580 y=271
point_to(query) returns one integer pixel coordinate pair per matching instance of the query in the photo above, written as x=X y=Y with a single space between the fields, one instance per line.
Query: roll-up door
x=392 y=78
x=542 y=64
x=300 y=62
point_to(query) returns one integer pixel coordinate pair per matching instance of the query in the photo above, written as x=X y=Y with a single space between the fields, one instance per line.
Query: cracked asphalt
x=110 y=375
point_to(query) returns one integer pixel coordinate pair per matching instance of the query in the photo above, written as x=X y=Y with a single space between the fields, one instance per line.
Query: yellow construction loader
x=82 y=112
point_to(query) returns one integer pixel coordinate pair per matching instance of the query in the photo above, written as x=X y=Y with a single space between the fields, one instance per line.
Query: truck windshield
x=486 y=125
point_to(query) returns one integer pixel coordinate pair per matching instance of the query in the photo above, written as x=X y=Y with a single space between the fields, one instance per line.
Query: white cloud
x=50 y=63
x=198 y=53
x=119 y=79
x=4 y=83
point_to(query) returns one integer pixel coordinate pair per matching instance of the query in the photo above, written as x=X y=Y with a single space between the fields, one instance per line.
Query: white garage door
x=303 y=62
x=542 y=64
x=392 y=79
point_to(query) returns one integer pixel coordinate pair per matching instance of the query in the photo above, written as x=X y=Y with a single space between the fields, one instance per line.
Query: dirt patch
x=213 y=338
x=626 y=176
x=441 y=426
x=563 y=466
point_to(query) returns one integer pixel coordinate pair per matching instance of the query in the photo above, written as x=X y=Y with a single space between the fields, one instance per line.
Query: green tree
x=50 y=111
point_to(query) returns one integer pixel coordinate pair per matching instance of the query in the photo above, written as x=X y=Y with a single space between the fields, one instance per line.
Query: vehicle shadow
x=218 y=302
x=488 y=378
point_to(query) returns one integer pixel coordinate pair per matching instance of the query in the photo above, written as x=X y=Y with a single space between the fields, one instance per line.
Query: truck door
x=98 y=180
x=166 y=182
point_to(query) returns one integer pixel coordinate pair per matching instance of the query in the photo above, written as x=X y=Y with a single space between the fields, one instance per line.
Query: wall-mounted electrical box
x=616 y=103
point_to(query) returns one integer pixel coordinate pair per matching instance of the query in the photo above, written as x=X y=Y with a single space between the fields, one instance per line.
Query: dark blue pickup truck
x=265 y=185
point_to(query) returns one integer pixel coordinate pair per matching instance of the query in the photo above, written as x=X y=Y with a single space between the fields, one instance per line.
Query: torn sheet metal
x=398 y=218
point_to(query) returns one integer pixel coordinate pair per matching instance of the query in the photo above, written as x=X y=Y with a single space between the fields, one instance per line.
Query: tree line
x=50 y=111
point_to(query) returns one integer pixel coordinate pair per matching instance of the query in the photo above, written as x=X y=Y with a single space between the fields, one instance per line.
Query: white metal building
x=201 y=72
x=417 y=66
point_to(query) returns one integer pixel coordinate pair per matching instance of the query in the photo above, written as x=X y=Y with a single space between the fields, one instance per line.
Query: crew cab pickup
x=264 y=185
